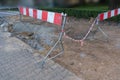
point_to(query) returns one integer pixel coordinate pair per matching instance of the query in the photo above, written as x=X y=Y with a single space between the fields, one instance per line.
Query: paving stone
x=17 y=62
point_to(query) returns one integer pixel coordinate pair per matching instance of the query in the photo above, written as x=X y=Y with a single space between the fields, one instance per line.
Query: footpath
x=18 y=61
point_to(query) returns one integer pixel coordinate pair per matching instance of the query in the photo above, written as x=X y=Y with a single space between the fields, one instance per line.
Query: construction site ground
x=97 y=59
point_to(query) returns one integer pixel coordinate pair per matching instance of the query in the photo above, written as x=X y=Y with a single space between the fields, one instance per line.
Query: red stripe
x=101 y=16
x=58 y=19
x=116 y=12
x=109 y=14
x=21 y=10
x=44 y=15
x=35 y=13
x=27 y=11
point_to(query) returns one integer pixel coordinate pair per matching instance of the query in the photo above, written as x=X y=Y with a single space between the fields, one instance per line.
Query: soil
x=99 y=58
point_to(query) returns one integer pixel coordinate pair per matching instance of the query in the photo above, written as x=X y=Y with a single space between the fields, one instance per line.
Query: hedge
x=81 y=13
x=78 y=13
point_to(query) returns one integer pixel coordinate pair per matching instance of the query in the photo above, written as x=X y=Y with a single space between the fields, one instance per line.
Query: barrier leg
x=99 y=28
x=21 y=18
x=58 y=42
x=61 y=45
x=45 y=58
x=61 y=51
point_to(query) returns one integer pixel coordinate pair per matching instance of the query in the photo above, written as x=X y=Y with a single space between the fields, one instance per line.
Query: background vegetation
x=83 y=12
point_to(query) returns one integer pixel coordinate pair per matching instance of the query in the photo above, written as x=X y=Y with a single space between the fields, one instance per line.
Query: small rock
x=82 y=55
x=72 y=63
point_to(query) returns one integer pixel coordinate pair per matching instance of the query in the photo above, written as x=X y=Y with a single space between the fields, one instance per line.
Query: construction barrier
x=60 y=20
x=109 y=14
x=55 y=18
x=52 y=17
x=100 y=17
x=81 y=41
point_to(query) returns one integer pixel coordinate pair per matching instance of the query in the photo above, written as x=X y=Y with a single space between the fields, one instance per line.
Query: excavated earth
x=98 y=59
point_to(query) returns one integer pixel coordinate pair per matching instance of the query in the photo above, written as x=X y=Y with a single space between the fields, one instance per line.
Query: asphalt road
x=7 y=7
x=8 y=13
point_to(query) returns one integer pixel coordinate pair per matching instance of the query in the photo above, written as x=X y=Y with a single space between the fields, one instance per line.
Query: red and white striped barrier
x=52 y=17
x=82 y=40
x=70 y=38
x=109 y=14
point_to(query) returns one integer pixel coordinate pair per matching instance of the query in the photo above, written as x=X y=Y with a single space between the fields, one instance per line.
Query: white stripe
x=30 y=12
x=24 y=11
x=119 y=11
x=39 y=14
x=112 y=13
x=51 y=17
x=105 y=15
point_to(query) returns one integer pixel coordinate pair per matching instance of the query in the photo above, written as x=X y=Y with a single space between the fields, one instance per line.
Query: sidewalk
x=8 y=13
x=18 y=61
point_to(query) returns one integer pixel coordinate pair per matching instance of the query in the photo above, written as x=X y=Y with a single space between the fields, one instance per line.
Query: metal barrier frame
x=59 y=42
x=100 y=29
